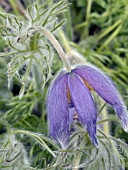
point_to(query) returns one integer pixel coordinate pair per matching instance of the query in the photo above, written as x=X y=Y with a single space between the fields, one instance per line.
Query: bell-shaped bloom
x=69 y=97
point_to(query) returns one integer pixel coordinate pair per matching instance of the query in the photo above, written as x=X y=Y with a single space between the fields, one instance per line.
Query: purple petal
x=106 y=89
x=72 y=112
x=57 y=108
x=84 y=105
x=71 y=115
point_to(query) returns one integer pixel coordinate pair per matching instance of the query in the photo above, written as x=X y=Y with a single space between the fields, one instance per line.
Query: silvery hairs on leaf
x=29 y=47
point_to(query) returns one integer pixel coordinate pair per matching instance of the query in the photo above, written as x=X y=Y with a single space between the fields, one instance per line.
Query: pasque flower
x=73 y=90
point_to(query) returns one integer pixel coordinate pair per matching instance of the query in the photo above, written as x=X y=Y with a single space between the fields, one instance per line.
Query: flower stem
x=105 y=125
x=65 y=42
x=56 y=45
x=104 y=116
x=77 y=161
x=88 y=11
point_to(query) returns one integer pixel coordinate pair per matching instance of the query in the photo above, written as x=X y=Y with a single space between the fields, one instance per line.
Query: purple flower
x=69 y=96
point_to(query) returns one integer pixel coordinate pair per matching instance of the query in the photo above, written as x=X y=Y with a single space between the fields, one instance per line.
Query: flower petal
x=57 y=108
x=106 y=89
x=84 y=105
x=71 y=115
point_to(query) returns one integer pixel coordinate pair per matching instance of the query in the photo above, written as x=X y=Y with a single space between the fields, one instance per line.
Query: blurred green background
x=94 y=31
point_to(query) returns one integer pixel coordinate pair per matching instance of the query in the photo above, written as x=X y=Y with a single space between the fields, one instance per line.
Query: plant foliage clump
x=98 y=35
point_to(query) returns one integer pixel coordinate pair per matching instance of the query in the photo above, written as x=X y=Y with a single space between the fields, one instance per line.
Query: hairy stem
x=103 y=112
x=105 y=124
x=65 y=42
x=56 y=45
x=87 y=14
x=77 y=161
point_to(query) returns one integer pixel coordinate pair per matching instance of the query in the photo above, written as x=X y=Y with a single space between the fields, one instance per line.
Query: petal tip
x=95 y=143
x=63 y=141
x=125 y=128
x=93 y=139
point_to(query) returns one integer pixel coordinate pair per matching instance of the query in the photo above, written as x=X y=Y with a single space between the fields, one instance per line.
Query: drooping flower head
x=70 y=93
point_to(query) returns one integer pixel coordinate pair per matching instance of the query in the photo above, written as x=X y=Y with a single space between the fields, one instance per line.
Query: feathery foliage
x=96 y=32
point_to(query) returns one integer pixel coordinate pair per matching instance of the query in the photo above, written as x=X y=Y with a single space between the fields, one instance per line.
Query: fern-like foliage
x=30 y=53
x=24 y=141
x=12 y=154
